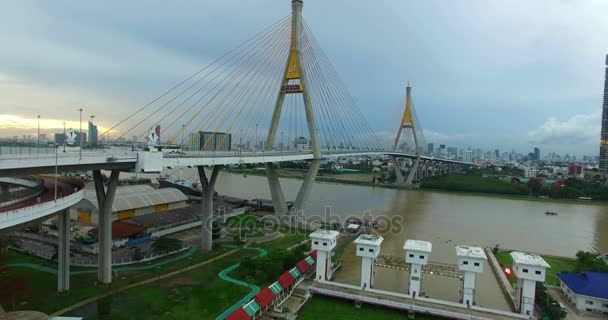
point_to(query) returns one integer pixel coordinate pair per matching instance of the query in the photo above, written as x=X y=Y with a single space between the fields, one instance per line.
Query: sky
x=511 y=74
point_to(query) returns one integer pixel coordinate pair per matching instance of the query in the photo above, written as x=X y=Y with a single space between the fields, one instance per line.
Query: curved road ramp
x=32 y=198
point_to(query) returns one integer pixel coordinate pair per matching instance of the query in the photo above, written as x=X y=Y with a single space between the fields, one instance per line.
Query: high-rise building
x=92 y=134
x=468 y=156
x=497 y=153
x=604 y=133
x=59 y=138
x=536 y=154
x=452 y=152
x=430 y=148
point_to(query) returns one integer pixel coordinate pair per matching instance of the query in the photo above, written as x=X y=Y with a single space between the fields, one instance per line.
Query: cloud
x=579 y=129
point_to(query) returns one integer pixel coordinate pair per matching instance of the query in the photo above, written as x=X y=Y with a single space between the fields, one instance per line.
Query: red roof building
x=238 y=314
x=314 y=254
x=303 y=266
x=264 y=298
x=121 y=230
x=286 y=280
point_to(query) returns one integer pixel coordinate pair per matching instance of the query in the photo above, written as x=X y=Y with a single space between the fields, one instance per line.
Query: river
x=445 y=219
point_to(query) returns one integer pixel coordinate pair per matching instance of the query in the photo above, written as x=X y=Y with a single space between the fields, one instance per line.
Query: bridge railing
x=39 y=210
x=23 y=192
x=120 y=153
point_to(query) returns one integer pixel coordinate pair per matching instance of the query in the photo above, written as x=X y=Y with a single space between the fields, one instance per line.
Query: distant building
x=530 y=172
x=586 y=291
x=301 y=143
x=59 y=138
x=92 y=134
x=194 y=141
x=468 y=156
x=43 y=137
x=575 y=170
x=497 y=153
x=536 y=154
x=604 y=132
x=214 y=141
x=430 y=148
x=452 y=152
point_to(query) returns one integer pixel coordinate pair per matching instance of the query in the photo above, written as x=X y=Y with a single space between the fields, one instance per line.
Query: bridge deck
x=403 y=302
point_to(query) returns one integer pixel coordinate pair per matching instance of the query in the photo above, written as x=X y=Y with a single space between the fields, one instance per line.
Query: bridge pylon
x=407 y=121
x=295 y=81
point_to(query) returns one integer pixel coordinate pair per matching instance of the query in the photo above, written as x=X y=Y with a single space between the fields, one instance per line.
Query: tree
x=535 y=186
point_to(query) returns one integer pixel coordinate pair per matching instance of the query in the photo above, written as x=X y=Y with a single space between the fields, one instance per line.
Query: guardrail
x=37 y=211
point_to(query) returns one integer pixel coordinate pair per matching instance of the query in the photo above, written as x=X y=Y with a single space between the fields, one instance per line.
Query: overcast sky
x=494 y=74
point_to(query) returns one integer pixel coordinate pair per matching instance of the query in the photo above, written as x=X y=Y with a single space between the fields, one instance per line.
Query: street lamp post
x=64 y=138
x=56 y=169
x=80 y=136
x=281 y=146
x=90 y=134
x=38 y=144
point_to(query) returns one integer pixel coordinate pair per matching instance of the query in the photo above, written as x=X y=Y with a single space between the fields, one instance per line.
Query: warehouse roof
x=139 y=196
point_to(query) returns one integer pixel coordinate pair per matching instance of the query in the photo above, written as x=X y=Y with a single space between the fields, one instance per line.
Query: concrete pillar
x=208 y=186
x=417 y=254
x=368 y=248
x=413 y=170
x=278 y=197
x=470 y=262
x=324 y=241
x=63 y=251
x=529 y=269
x=105 y=199
x=306 y=188
x=400 y=179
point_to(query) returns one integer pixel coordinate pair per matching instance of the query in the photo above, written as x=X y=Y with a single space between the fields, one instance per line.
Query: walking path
x=253 y=288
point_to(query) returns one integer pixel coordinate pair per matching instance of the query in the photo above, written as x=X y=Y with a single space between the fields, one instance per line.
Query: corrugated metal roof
x=295 y=273
x=275 y=288
x=238 y=314
x=139 y=196
x=303 y=266
x=251 y=308
x=264 y=297
x=286 y=280
x=591 y=284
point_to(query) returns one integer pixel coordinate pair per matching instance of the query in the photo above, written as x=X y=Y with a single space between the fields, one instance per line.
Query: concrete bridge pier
x=276 y=193
x=306 y=187
x=400 y=179
x=105 y=199
x=63 y=251
x=208 y=186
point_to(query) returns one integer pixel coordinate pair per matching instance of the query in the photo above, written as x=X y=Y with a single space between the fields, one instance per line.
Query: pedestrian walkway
x=252 y=287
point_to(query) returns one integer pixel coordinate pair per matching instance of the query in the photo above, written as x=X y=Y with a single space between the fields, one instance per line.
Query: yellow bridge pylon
x=407 y=122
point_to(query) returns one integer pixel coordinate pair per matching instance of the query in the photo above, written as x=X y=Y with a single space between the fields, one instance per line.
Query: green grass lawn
x=558 y=265
x=335 y=309
x=41 y=287
x=196 y=294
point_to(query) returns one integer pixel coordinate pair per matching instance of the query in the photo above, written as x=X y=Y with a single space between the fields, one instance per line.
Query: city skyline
x=456 y=94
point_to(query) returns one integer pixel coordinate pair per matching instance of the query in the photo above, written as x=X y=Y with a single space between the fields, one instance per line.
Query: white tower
x=417 y=254
x=368 y=248
x=324 y=241
x=470 y=261
x=529 y=268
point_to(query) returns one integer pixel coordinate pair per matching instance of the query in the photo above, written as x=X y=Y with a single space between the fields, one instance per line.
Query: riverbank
x=339 y=179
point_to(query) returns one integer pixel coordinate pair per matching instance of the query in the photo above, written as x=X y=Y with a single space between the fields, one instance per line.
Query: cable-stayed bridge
x=274 y=98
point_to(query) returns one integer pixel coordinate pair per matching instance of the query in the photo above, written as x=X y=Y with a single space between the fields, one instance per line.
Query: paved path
x=253 y=288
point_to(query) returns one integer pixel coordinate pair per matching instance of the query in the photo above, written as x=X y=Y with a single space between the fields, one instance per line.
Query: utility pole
x=80 y=135
x=38 y=144
x=56 y=169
